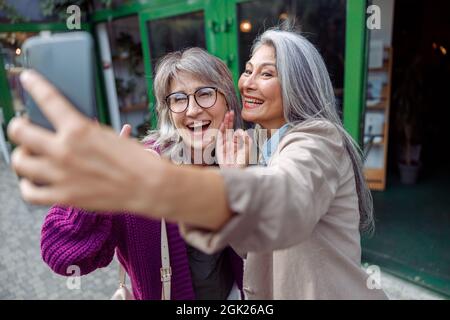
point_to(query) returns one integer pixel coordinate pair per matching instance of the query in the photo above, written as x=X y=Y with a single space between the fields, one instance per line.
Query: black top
x=212 y=274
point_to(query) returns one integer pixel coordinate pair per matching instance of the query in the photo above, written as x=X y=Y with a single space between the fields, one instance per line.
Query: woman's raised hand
x=126 y=131
x=233 y=146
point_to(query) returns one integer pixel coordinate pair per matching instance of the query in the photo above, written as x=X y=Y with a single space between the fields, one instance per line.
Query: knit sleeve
x=74 y=237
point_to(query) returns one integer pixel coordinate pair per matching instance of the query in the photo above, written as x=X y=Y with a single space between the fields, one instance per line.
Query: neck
x=272 y=127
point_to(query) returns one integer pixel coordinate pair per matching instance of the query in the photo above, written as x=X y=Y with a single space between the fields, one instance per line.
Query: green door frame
x=217 y=29
x=5 y=93
x=355 y=70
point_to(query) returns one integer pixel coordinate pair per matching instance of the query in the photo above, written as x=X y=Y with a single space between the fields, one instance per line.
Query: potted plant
x=409 y=100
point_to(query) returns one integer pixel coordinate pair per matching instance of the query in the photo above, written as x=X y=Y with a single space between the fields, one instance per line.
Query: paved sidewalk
x=23 y=274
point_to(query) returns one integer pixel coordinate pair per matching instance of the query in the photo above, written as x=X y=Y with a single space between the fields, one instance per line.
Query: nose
x=248 y=83
x=193 y=108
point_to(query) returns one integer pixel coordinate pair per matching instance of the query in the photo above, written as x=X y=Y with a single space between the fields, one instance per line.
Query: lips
x=252 y=102
x=199 y=126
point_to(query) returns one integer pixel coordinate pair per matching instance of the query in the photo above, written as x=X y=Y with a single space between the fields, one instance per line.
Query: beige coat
x=296 y=220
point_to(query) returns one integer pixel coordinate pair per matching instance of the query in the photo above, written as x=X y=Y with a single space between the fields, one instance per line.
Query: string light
x=283 y=16
x=245 y=26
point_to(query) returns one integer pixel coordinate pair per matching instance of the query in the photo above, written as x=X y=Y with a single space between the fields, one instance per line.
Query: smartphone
x=67 y=61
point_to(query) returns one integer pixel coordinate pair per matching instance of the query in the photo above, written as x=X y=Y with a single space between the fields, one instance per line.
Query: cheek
x=240 y=84
x=273 y=91
x=217 y=113
x=177 y=120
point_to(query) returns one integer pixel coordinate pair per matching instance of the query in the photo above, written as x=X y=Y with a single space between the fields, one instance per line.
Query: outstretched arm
x=85 y=165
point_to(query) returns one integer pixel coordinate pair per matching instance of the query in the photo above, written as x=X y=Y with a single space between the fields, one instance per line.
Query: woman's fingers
x=229 y=119
x=220 y=136
x=35 y=168
x=242 y=147
x=126 y=131
x=53 y=104
x=38 y=140
x=153 y=153
x=42 y=194
x=222 y=128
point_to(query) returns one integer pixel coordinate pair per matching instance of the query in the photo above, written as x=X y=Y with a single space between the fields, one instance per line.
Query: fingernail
x=12 y=128
x=25 y=76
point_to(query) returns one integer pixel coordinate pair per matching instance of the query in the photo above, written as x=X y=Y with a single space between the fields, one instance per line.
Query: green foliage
x=11 y=12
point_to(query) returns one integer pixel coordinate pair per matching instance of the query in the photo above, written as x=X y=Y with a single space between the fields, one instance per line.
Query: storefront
x=406 y=141
x=132 y=35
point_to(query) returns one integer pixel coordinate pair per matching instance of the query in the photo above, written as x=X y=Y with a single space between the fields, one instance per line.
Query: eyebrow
x=264 y=64
x=195 y=89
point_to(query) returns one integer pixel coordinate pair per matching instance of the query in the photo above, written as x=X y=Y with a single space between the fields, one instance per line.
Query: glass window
x=378 y=101
x=38 y=11
x=128 y=65
x=10 y=49
x=109 y=4
x=176 y=33
x=321 y=21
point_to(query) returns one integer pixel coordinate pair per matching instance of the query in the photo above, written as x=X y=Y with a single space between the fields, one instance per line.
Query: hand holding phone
x=67 y=61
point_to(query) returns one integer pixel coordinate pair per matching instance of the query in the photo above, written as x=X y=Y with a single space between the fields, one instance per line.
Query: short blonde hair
x=204 y=67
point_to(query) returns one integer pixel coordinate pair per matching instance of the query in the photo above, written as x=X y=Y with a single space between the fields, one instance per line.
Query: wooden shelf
x=135 y=107
x=385 y=67
x=376 y=177
x=381 y=106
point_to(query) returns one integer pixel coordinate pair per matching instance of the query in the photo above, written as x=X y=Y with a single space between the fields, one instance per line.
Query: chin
x=249 y=116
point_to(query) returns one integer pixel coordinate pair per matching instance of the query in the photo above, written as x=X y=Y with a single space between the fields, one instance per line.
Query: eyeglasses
x=205 y=97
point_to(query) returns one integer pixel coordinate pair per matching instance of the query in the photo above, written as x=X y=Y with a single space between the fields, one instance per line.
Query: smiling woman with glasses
x=194 y=90
x=194 y=275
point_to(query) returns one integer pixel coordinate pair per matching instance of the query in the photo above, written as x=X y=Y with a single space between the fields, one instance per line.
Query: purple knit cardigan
x=72 y=236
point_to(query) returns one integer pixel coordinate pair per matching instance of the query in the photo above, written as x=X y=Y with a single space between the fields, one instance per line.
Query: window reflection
x=109 y=4
x=14 y=11
x=10 y=44
x=128 y=65
x=176 y=33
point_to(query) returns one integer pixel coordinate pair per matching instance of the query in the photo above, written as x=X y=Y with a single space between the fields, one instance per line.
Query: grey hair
x=205 y=68
x=308 y=94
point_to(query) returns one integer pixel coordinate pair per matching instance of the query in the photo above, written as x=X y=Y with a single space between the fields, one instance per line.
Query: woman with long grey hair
x=307 y=94
x=297 y=216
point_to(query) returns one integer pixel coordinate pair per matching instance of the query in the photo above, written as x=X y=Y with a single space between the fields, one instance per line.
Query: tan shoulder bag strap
x=166 y=270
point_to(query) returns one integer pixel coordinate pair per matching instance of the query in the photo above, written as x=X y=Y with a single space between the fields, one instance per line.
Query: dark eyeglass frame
x=194 y=95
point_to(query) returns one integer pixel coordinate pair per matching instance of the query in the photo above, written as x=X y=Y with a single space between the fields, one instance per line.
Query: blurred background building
x=389 y=65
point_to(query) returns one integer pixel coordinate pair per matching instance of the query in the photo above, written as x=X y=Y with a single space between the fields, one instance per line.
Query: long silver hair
x=205 y=68
x=308 y=94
